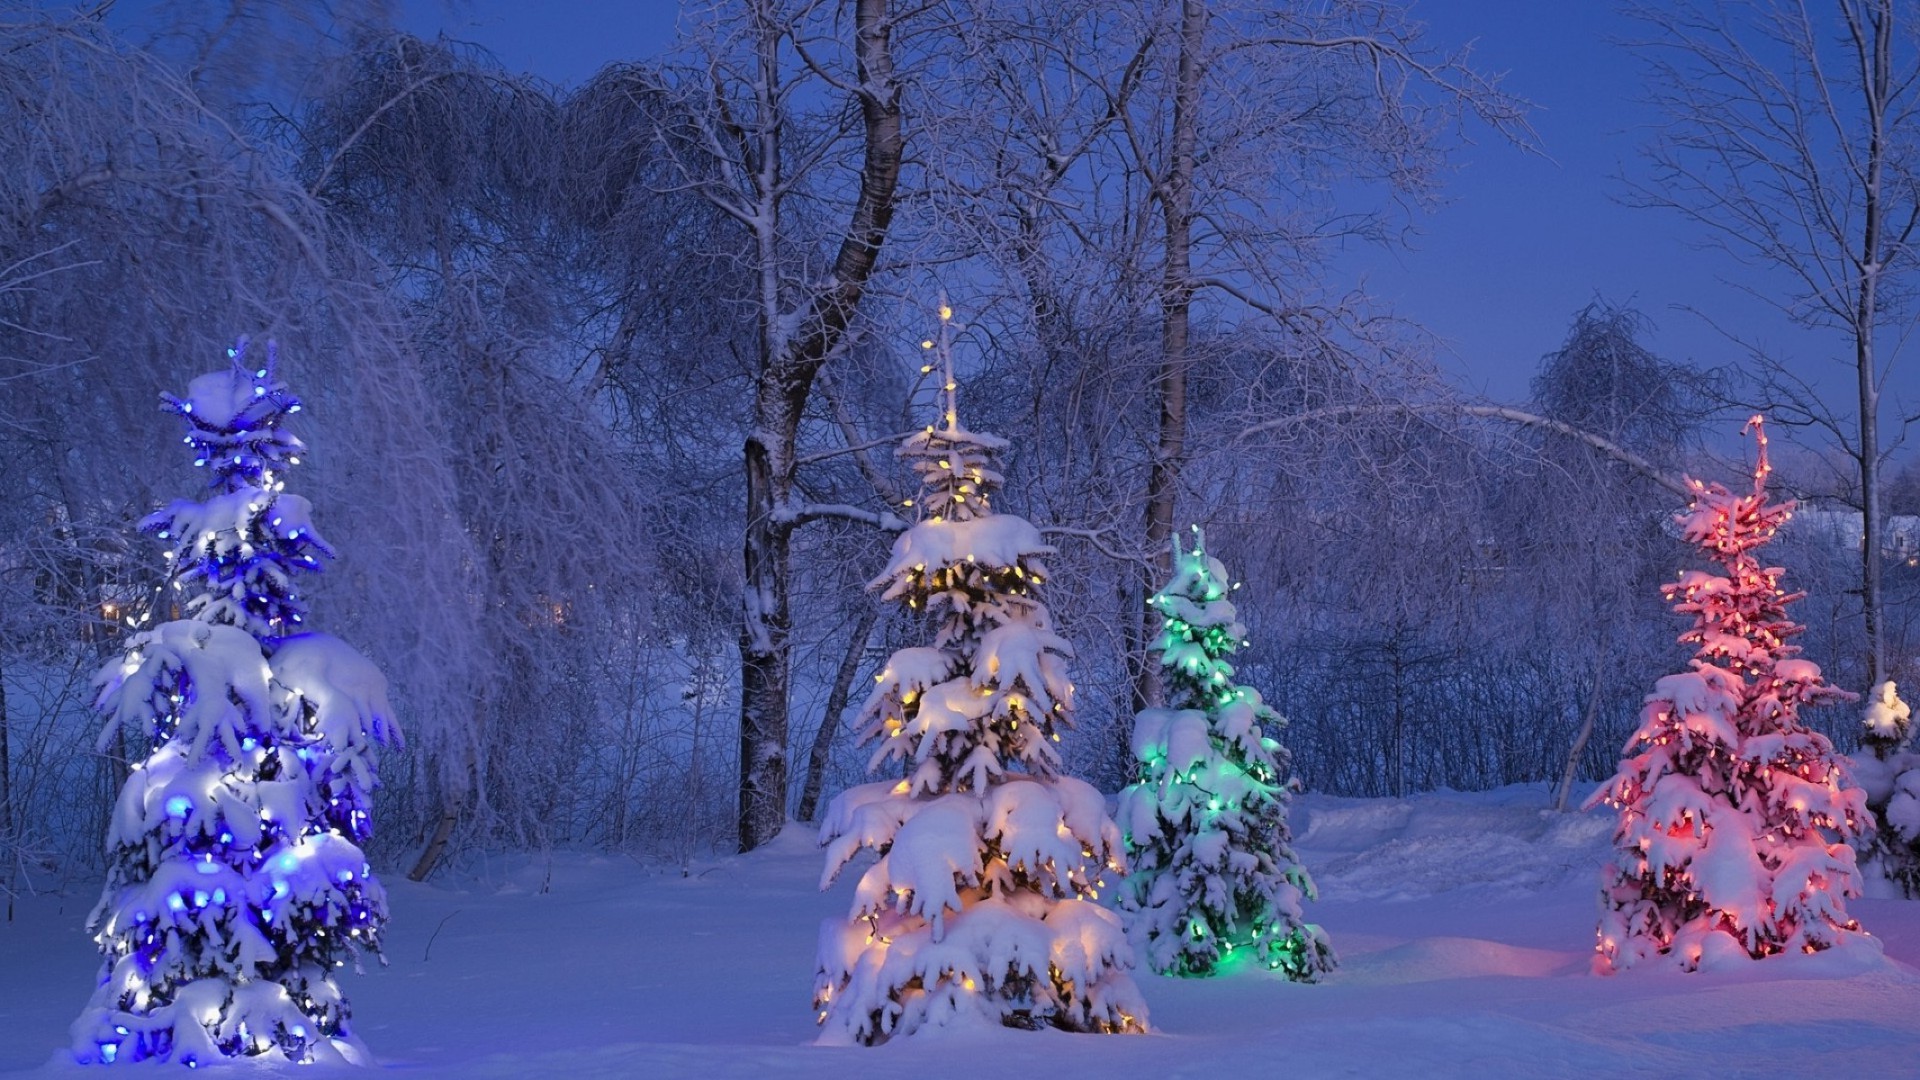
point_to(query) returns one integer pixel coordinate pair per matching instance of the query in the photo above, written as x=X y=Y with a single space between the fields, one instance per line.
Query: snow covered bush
x=1208 y=846
x=981 y=907
x=236 y=882
x=1735 y=818
x=1889 y=772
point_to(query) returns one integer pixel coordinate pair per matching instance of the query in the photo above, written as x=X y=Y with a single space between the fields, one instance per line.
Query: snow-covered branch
x=1336 y=414
x=1097 y=539
x=801 y=513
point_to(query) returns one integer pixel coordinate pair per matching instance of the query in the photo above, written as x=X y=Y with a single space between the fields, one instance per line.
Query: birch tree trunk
x=1176 y=309
x=1874 y=41
x=795 y=343
x=1791 y=138
x=1564 y=790
x=837 y=697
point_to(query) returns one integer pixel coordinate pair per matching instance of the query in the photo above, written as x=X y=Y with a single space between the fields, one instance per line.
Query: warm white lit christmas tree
x=1888 y=770
x=236 y=881
x=1212 y=868
x=1734 y=816
x=981 y=907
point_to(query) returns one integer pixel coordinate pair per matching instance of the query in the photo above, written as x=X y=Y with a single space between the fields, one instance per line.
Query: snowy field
x=1464 y=925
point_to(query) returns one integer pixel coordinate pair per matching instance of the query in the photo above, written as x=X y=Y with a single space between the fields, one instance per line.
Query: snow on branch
x=1604 y=445
x=1096 y=538
x=792 y=514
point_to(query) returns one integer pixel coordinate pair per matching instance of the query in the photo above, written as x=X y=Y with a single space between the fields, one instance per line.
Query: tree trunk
x=1572 y=769
x=6 y=761
x=450 y=810
x=436 y=845
x=1870 y=526
x=764 y=641
x=836 y=704
x=1866 y=314
x=1176 y=308
x=1399 y=717
x=790 y=361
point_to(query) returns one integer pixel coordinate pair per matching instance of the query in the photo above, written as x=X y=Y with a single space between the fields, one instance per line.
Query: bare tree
x=1792 y=141
x=1356 y=81
x=1590 y=523
x=1171 y=159
x=755 y=118
x=250 y=56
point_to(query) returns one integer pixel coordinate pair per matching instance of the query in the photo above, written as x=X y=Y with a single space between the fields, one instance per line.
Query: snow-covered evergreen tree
x=1889 y=772
x=981 y=907
x=236 y=881
x=1734 y=816
x=1212 y=868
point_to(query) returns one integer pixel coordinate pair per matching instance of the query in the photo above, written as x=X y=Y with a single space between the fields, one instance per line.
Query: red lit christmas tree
x=1734 y=816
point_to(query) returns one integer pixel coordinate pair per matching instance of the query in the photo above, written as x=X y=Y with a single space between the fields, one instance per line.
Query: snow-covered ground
x=1464 y=925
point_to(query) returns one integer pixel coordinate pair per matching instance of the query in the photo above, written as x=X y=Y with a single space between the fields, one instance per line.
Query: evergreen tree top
x=1201 y=629
x=1741 y=623
x=955 y=466
x=960 y=544
x=238 y=552
x=956 y=471
x=233 y=422
x=1198 y=592
x=1729 y=525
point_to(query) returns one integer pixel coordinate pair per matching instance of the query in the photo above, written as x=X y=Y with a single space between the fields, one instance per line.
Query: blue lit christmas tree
x=1213 y=869
x=236 y=881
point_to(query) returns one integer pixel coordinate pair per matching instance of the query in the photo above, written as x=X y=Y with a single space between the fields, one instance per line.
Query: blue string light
x=237 y=559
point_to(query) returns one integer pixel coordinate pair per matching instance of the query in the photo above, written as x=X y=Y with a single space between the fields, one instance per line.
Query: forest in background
x=535 y=327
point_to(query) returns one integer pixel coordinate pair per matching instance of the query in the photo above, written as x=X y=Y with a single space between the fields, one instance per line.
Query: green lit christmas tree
x=1213 y=868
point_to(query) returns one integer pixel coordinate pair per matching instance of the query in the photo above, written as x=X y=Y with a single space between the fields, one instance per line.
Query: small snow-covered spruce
x=1887 y=724
x=1889 y=772
x=1734 y=817
x=981 y=906
x=1212 y=868
x=236 y=883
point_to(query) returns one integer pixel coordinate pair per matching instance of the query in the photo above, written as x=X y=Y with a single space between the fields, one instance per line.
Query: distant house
x=1900 y=533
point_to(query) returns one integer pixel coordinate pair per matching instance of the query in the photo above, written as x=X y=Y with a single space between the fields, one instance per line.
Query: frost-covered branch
x=1342 y=413
x=801 y=513
x=1097 y=539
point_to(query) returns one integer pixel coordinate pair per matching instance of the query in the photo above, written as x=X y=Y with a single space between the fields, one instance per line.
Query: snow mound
x=1510 y=841
x=1437 y=958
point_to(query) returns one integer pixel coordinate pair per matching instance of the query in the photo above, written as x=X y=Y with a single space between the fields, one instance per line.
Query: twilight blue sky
x=1522 y=243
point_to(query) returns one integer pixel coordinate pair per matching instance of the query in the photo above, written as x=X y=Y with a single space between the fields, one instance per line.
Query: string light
x=965 y=718
x=238 y=570
x=1738 y=731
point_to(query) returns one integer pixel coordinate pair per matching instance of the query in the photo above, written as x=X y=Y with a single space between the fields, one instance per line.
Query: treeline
x=535 y=327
